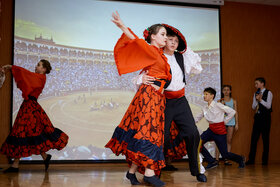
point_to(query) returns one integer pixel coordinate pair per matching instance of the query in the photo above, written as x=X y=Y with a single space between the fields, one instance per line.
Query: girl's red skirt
x=140 y=134
x=32 y=132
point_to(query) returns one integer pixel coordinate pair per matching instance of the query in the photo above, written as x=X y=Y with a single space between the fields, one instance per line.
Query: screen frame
x=183 y=4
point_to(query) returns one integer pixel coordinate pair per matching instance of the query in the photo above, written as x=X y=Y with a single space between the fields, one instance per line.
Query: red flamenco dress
x=177 y=149
x=140 y=135
x=32 y=132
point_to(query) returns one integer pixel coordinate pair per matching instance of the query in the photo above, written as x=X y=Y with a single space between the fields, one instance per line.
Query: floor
x=113 y=174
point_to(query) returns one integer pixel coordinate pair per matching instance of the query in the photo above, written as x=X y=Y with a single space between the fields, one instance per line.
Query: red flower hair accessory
x=146 y=33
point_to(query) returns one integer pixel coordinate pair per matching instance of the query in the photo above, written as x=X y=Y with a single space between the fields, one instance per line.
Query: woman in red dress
x=139 y=136
x=32 y=132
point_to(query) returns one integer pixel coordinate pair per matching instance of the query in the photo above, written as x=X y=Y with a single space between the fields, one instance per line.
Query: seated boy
x=214 y=113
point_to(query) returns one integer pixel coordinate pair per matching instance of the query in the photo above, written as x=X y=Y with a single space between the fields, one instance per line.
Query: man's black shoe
x=212 y=165
x=201 y=178
x=227 y=163
x=249 y=162
x=11 y=170
x=169 y=168
x=264 y=163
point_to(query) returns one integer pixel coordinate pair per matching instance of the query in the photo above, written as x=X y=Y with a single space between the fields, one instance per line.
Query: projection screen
x=84 y=96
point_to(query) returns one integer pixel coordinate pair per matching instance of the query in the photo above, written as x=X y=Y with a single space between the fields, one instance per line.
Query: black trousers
x=262 y=124
x=221 y=142
x=178 y=110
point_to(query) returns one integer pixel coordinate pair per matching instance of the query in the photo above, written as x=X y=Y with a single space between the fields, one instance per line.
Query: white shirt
x=191 y=64
x=177 y=74
x=2 y=79
x=266 y=104
x=215 y=113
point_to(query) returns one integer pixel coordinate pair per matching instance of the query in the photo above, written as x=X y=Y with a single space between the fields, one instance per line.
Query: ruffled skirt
x=140 y=134
x=32 y=133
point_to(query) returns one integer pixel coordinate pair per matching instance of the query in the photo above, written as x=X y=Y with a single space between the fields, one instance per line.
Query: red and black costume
x=140 y=135
x=32 y=132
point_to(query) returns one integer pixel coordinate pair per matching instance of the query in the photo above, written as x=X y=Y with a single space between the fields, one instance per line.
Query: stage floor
x=113 y=174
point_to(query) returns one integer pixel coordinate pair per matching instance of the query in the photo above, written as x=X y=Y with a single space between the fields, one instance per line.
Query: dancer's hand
x=146 y=79
x=2 y=72
x=157 y=88
x=7 y=67
x=117 y=20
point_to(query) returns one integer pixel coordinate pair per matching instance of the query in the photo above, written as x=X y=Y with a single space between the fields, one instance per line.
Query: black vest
x=180 y=60
x=262 y=109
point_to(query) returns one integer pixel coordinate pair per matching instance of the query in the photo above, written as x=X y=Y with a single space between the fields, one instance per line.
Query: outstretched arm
x=117 y=20
x=2 y=76
x=7 y=67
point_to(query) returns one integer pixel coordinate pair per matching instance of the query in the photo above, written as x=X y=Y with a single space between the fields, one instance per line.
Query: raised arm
x=117 y=20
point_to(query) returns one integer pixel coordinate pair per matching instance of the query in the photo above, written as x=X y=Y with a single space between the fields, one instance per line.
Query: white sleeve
x=2 y=79
x=199 y=116
x=137 y=81
x=267 y=103
x=229 y=111
x=192 y=62
x=255 y=102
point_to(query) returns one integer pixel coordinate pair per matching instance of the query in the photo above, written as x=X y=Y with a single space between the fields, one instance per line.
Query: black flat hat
x=182 y=47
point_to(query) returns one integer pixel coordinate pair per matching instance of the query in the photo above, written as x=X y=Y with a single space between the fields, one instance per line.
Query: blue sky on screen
x=87 y=23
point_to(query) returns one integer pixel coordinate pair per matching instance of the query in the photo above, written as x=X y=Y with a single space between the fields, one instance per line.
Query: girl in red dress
x=139 y=136
x=32 y=132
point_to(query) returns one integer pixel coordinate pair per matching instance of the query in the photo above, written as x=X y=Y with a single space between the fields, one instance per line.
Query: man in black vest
x=177 y=109
x=262 y=103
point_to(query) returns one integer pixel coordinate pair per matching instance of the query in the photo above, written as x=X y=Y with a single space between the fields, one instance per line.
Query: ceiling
x=221 y=2
x=266 y=2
